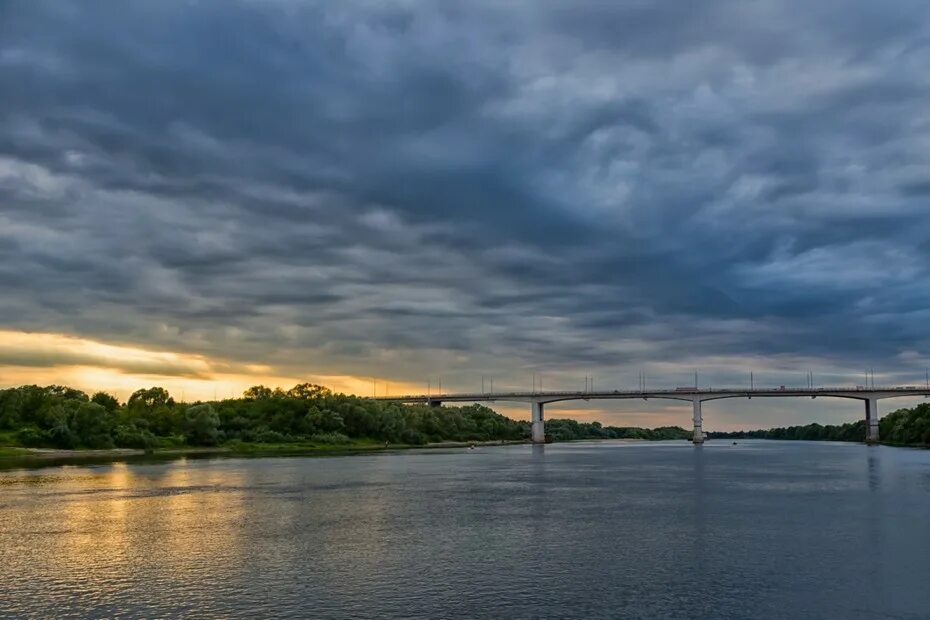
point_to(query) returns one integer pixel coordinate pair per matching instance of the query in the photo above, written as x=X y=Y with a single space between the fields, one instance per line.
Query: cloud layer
x=408 y=189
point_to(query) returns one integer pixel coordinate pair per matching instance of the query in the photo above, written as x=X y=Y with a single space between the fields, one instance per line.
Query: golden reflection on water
x=95 y=520
x=163 y=520
x=204 y=513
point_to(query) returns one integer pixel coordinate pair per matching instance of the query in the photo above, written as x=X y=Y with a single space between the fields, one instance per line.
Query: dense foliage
x=852 y=431
x=63 y=417
x=563 y=430
x=903 y=427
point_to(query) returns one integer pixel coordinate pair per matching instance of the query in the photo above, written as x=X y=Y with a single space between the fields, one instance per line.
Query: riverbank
x=17 y=457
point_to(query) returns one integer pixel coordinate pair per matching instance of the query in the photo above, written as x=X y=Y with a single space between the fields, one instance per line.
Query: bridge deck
x=861 y=393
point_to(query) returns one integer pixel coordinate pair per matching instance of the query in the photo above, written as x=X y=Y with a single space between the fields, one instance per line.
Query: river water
x=593 y=530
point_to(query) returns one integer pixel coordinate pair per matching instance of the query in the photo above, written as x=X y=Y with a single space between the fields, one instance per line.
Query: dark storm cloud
x=487 y=187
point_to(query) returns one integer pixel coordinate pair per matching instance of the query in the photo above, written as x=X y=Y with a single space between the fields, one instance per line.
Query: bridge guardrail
x=663 y=391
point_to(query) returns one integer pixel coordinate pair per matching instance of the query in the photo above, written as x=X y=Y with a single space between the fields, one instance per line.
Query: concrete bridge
x=537 y=400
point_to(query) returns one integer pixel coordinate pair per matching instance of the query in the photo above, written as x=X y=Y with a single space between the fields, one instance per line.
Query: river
x=761 y=529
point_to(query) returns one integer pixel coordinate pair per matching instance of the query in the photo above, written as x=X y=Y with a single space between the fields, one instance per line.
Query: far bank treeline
x=63 y=417
x=904 y=427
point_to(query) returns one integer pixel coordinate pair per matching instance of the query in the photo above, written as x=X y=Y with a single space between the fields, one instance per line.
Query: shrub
x=32 y=437
x=331 y=438
x=130 y=436
x=201 y=426
x=412 y=437
x=263 y=435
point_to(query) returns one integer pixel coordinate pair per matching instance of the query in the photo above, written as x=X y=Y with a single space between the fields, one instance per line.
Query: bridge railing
x=668 y=391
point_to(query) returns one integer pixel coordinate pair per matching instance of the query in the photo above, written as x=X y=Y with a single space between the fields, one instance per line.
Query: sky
x=378 y=195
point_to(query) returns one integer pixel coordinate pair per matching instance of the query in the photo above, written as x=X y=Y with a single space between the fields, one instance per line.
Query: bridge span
x=538 y=399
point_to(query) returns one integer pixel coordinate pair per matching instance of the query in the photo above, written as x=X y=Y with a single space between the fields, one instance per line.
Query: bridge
x=538 y=399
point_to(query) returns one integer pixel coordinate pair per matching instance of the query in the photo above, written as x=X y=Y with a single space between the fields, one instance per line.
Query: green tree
x=308 y=390
x=66 y=393
x=201 y=425
x=93 y=426
x=258 y=392
x=108 y=402
x=150 y=398
x=326 y=420
x=156 y=407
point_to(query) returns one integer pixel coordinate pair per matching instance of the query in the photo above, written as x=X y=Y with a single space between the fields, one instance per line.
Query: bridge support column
x=539 y=425
x=698 y=436
x=871 y=421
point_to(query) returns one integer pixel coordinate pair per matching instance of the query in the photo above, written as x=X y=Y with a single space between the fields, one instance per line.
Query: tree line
x=909 y=427
x=63 y=417
x=565 y=430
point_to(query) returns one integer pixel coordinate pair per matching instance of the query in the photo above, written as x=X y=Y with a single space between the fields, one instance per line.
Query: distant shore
x=16 y=457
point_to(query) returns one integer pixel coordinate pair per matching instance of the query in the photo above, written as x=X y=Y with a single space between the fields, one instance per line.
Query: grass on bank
x=9 y=446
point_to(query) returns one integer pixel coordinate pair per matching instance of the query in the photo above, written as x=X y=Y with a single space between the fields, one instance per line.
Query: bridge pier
x=698 y=436
x=871 y=421
x=539 y=425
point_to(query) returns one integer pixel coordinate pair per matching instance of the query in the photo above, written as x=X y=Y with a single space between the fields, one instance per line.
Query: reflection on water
x=758 y=530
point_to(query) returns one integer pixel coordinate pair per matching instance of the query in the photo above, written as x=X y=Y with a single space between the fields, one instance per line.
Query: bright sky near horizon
x=377 y=195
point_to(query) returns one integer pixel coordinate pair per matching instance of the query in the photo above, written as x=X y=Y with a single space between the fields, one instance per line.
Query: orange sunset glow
x=46 y=359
